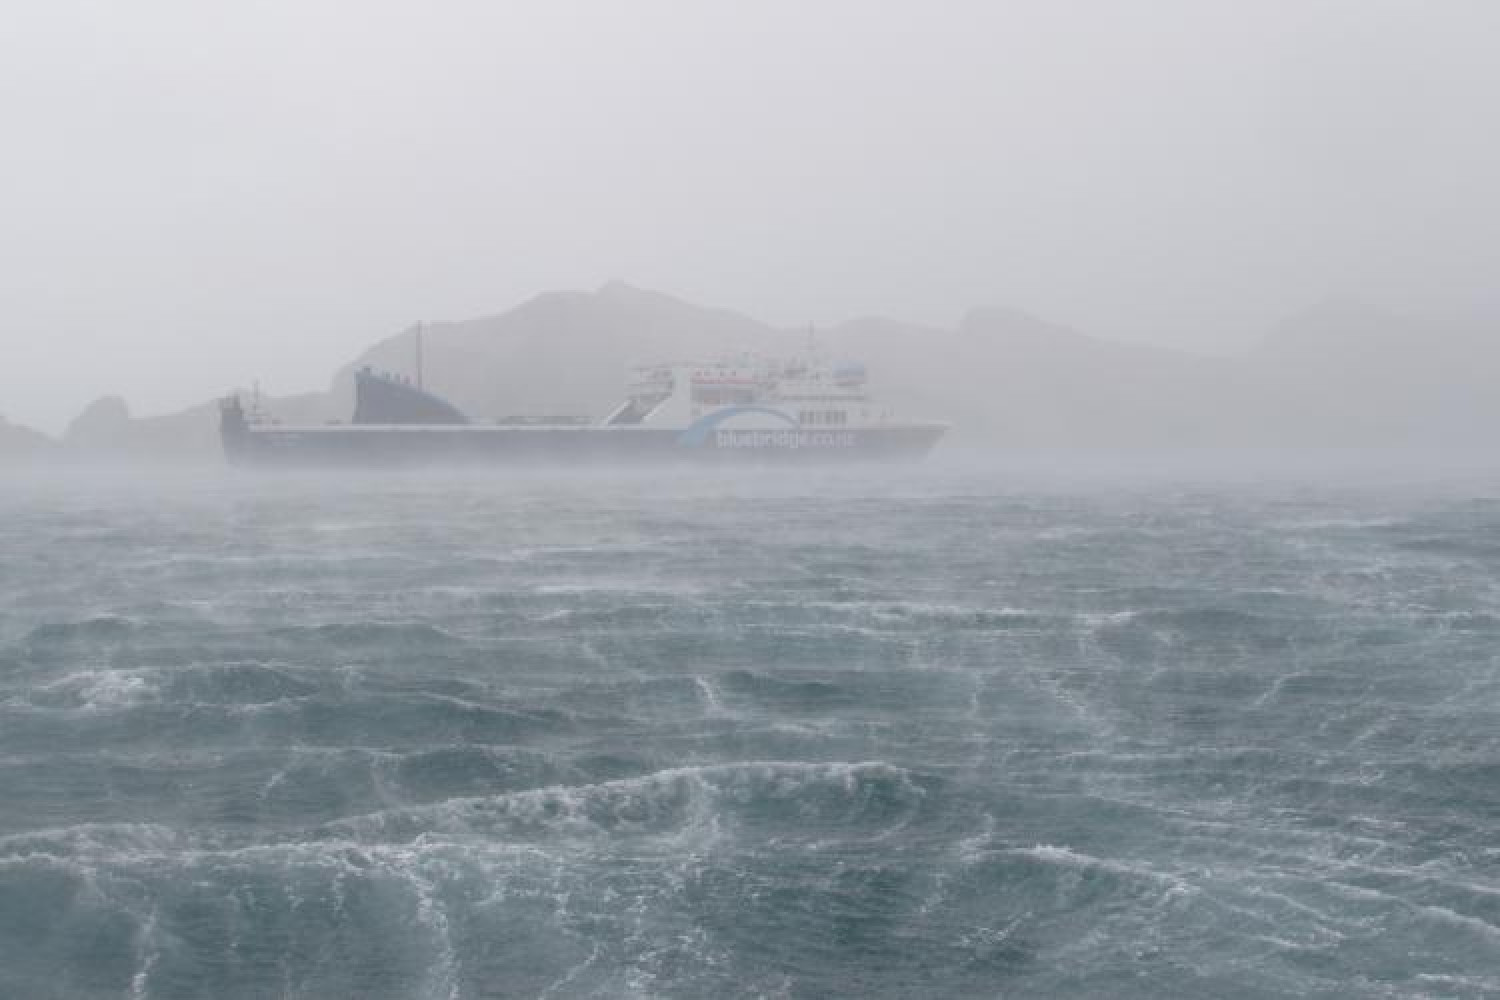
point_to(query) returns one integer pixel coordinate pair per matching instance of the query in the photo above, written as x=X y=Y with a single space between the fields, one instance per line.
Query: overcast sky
x=198 y=194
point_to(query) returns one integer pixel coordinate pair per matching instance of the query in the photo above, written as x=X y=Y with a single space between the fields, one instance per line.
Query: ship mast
x=419 y=354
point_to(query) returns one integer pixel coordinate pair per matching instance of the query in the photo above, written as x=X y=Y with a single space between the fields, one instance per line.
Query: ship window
x=718 y=396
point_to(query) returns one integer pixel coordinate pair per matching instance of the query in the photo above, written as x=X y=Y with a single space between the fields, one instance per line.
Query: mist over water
x=1175 y=672
x=936 y=733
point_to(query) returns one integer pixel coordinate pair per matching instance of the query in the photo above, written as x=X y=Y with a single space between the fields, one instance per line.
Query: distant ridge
x=21 y=445
x=1337 y=375
x=564 y=351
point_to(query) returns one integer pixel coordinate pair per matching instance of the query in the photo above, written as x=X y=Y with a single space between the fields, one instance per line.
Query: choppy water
x=862 y=737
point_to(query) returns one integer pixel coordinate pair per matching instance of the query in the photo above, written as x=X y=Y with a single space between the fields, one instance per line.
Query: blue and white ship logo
x=791 y=437
x=696 y=433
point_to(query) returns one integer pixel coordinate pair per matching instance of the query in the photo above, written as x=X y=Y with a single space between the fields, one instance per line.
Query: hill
x=1338 y=376
x=24 y=446
x=564 y=352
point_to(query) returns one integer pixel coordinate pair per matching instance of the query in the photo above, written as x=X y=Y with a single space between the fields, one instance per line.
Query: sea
x=931 y=732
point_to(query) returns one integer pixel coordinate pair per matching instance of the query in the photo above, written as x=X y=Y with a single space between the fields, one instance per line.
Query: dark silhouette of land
x=1337 y=376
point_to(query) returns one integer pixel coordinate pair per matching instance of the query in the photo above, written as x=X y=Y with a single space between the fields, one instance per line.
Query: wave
x=101 y=841
x=380 y=635
x=703 y=803
x=118 y=689
x=1066 y=857
x=677 y=800
x=790 y=691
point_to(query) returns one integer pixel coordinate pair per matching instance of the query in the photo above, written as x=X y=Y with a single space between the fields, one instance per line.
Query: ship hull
x=413 y=445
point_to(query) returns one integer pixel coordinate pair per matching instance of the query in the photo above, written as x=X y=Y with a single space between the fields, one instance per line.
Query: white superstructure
x=739 y=408
x=751 y=392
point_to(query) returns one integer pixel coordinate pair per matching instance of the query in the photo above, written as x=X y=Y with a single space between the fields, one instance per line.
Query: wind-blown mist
x=746 y=735
x=198 y=197
x=1171 y=671
x=1335 y=377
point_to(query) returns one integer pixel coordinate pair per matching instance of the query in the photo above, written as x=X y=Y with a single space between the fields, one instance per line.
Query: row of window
x=722 y=397
x=823 y=418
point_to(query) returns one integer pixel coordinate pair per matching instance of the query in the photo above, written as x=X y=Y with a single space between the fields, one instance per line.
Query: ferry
x=737 y=409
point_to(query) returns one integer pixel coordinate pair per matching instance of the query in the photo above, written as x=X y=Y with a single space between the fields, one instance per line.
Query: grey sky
x=198 y=194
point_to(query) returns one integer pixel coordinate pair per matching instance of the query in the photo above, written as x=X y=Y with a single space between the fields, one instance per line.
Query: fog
x=198 y=196
x=786 y=499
